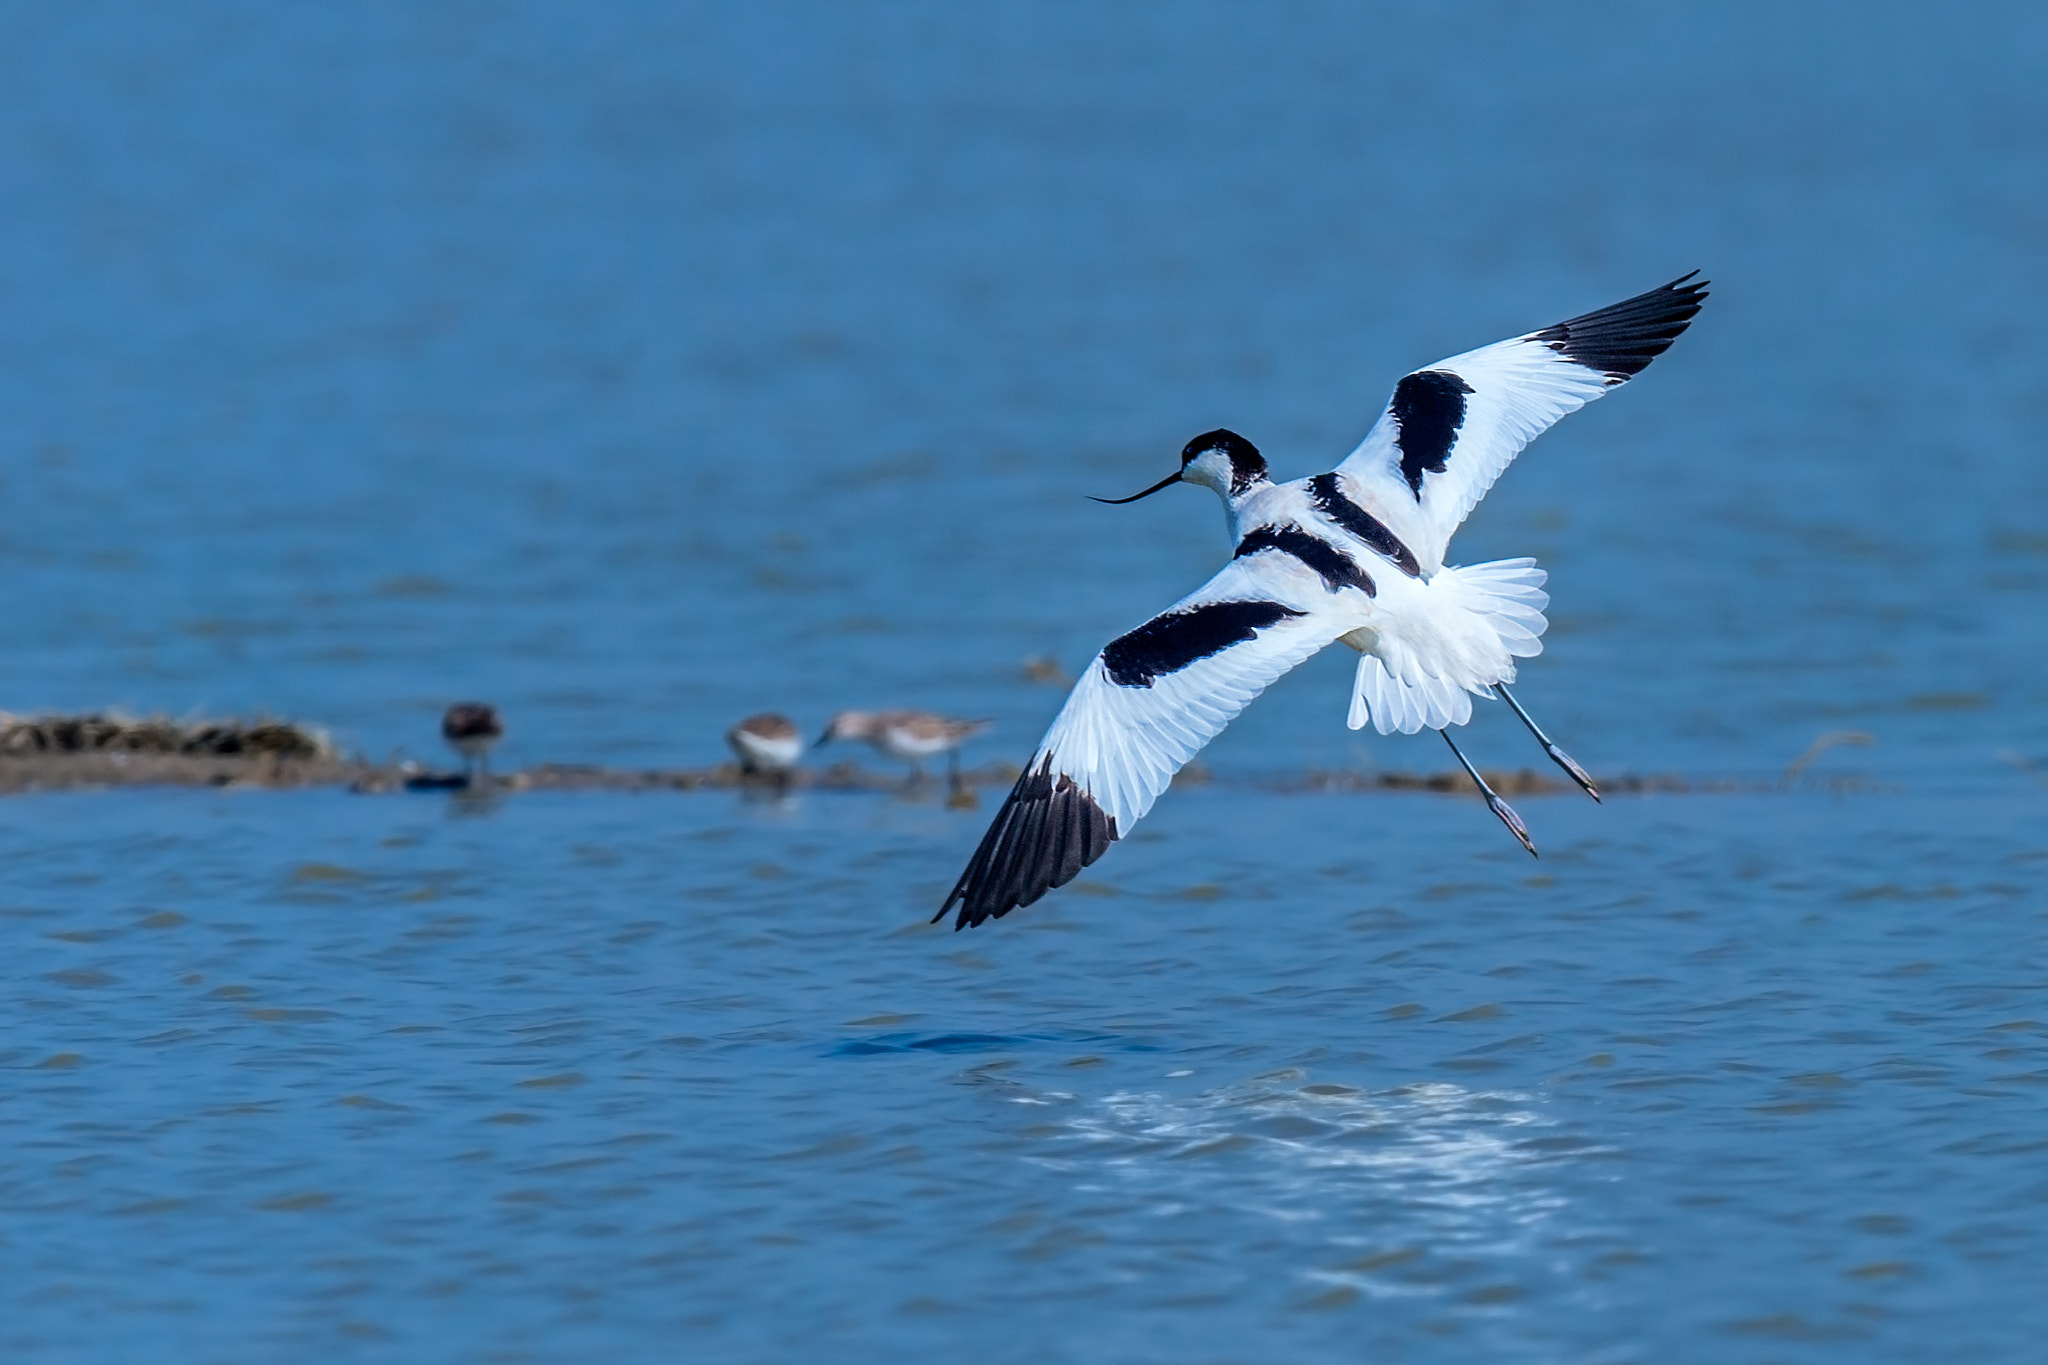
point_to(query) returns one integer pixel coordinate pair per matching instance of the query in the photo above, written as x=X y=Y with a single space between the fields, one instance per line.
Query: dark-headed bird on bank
x=472 y=728
x=1355 y=555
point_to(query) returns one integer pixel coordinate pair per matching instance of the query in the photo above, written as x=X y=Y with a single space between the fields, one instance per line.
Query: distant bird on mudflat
x=907 y=736
x=768 y=746
x=471 y=729
x=1355 y=555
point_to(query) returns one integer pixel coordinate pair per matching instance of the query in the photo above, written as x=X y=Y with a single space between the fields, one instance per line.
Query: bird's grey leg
x=1557 y=755
x=1493 y=802
x=952 y=770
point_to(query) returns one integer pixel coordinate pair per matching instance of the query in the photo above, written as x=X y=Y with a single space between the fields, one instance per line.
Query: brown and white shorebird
x=908 y=736
x=768 y=746
x=471 y=728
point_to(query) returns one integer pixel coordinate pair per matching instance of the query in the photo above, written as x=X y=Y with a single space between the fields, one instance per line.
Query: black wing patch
x=1332 y=503
x=1338 y=570
x=1046 y=832
x=1623 y=338
x=1167 y=644
x=1428 y=408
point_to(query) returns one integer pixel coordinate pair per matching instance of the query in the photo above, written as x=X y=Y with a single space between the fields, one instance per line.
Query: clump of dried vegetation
x=35 y=736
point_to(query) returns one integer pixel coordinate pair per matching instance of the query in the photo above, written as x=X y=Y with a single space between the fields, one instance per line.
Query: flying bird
x=1355 y=555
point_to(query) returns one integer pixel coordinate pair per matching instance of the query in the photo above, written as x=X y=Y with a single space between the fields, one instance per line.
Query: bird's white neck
x=1233 y=515
x=1212 y=470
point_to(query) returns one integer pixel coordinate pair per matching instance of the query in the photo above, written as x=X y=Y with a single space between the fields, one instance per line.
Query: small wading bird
x=768 y=746
x=1355 y=555
x=907 y=736
x=471 y=728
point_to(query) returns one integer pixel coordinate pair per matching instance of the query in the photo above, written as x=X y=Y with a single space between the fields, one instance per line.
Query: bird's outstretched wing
x=1146 y=705
x=1450 y=430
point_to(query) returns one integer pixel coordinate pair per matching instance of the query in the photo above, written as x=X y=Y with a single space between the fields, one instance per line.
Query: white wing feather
x=1518 y=389
x=1128 y=727
x=1122 y=745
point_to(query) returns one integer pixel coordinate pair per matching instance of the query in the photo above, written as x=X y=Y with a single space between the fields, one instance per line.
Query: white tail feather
x=1483 y=618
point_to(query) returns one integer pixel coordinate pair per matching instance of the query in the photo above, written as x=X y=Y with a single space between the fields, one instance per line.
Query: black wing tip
x=1047 y=831
x=1622 y=339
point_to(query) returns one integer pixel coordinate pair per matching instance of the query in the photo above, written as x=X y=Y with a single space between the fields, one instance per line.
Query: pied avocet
x=1355 y=555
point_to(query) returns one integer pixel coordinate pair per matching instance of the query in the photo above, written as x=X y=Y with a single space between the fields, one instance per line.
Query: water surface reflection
x=1426 y=1189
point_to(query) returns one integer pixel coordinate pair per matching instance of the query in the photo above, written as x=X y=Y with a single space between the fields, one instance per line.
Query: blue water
x=639 y=368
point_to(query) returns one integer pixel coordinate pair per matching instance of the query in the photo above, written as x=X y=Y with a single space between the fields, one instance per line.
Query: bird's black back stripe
x=1338 y=570
x=1332 y=503
x=1046 y=832
x=1428 y=408
x=1622 y=339
x=1170 y=642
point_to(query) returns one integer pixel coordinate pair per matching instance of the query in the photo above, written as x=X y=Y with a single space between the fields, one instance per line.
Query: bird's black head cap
x=1238 y=466
x=1247 y=466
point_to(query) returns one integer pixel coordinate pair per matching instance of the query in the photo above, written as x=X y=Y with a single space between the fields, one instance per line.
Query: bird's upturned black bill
x=1113 y=502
